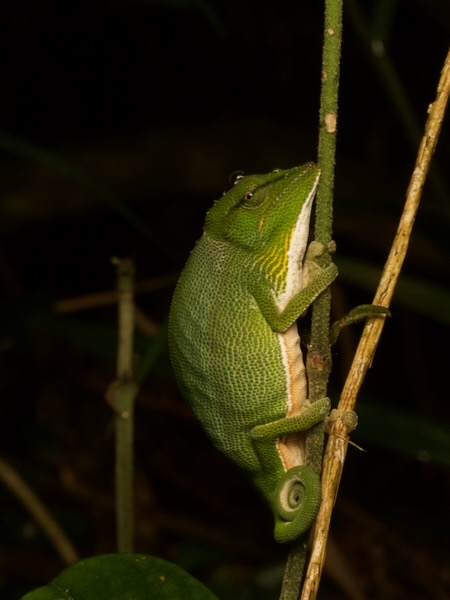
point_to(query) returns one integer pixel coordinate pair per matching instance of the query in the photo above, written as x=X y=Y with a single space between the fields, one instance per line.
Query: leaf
x=122 y=577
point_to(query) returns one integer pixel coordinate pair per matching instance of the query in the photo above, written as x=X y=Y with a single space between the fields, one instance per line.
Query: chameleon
x=233 y=337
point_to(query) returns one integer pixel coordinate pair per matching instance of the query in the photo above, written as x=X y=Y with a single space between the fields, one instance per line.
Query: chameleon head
x=268 y=216
x=258 y=207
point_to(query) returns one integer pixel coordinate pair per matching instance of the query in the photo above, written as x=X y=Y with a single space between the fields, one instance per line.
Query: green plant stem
x=319 y=356
x=318 y=363
x=122 y=394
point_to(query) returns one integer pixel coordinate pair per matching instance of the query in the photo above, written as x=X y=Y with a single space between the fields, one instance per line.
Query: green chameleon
x=233 y=336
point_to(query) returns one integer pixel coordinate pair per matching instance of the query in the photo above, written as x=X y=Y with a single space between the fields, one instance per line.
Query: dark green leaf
x=122 y=577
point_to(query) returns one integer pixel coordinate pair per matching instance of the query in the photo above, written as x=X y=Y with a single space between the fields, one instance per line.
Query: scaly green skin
x=234 y=343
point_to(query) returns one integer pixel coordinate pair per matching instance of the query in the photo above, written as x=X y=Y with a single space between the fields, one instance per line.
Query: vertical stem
x=121 y=395
x=319 y=356
x=124 y=472
x=328 y=118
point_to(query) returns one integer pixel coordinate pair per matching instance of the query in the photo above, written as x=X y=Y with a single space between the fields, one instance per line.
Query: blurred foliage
x=121 y=123
x=123 y=576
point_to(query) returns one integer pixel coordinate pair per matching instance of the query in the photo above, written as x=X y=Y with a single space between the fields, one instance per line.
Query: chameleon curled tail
x=297 y=500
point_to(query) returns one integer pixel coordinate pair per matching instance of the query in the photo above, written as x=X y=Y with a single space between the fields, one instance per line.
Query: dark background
x=120 y=123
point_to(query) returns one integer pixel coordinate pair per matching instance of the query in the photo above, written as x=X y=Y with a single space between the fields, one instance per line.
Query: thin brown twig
x=109 y=297
x=338 y=441
x=43 y=517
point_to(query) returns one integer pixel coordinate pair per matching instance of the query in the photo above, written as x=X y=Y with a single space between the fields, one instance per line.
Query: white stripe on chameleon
x=296 y=252
x=289 y=450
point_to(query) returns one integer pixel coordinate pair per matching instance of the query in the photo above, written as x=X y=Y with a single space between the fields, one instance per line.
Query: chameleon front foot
x=297 y=502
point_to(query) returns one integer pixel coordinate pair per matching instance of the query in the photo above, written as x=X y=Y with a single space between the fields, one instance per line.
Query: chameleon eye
x=254 y=196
